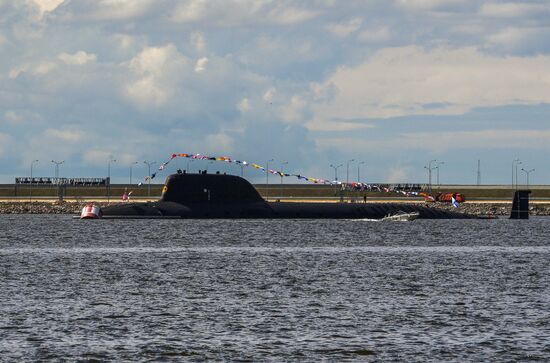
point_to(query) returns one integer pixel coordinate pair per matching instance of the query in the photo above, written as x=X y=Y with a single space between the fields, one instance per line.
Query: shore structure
x=228 y=196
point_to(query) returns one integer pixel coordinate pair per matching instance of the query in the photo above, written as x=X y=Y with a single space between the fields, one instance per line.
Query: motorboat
x=401 y=216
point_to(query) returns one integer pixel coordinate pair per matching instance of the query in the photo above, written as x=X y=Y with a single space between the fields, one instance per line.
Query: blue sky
x=392 y=83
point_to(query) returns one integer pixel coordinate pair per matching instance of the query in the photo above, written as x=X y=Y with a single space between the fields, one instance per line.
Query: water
x=273 y=290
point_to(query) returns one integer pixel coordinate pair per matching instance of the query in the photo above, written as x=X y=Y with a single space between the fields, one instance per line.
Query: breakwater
x=479 y=209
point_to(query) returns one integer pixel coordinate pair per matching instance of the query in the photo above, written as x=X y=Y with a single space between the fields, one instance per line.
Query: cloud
x=415 y=81
x=64 y=135
x=13 y=117
x=220 y=143
x=437 y=5
x=106 y=10
x=4 y=140
x=244 y=106
x=240 y=12
x=97 y=157
x=344 y=29
x=513 y=10
x=519 y=40
x=399 y=174
x=439 y=142
x=78 y=58
x=36 y=69
x=198 y=41
x=45 y=6
x=158 y=71
x=293 y=112
x=200 y=66
x=269 y=95
x=376 y=35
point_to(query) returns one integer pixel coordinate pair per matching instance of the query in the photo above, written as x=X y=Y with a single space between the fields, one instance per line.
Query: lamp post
x=30 y=192
x=527 y=172
x=430 y=168
x=131 y=165
x=514 y=168
x=282 y=171
x=111 y=160
x=336 y=170
x=149 y=163
x=347 y=170
x=359 y=171
x=57 y=163
x=519 y=162
x=267 y=179
x=437 y=168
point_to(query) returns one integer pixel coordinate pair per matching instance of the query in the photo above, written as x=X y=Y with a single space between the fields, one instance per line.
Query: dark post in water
x=520 y=206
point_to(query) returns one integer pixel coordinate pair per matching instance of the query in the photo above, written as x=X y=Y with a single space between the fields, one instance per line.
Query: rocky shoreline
x=478 y=209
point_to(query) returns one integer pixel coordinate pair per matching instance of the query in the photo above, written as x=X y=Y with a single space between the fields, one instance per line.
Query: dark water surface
x=274 y=290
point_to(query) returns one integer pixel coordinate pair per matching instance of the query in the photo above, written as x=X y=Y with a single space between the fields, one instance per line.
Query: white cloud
x=200 y=66
x=377 y=35
x=97 y=157
x=4 y=139
x=78 y=58
x=244 y=106
x=399 y=175
x=288 y=15
x=198 y=41
x=219 y=143
x=13 y=117
x=325 y=125
x=113 y=9
x=517 y=39
x=435 y=5
x=439 y=142
x=513 y=10
x=64 y=135
x=294 y=111
x=45 y=6
x=269 y=95
x=346 y=28
x=191 y=11
x=159 y=71
x=240 y=12
x=413 y=81
x=37 y=69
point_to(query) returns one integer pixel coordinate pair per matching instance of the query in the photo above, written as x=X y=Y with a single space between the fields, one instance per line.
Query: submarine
x=208 y=196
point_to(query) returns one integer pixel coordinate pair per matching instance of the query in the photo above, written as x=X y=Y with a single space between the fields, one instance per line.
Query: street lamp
x=358 y=171
x=267 y=179
x=515 y=168
x=149 y=163
x=437 y=168
x=111 y=160
x=336 y=170
x=347 y=170
x=527 y=172
x=131 y=165
x=30 y=192
x=282 y=172
x=57 y=163
x=430 y=168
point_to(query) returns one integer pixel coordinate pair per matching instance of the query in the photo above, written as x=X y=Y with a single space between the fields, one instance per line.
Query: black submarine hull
x=203 y=196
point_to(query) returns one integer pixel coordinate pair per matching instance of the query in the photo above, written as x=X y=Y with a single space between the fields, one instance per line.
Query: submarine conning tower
x=187 y=189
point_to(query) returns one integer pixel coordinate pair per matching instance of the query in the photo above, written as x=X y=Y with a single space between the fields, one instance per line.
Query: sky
x=391 y=84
